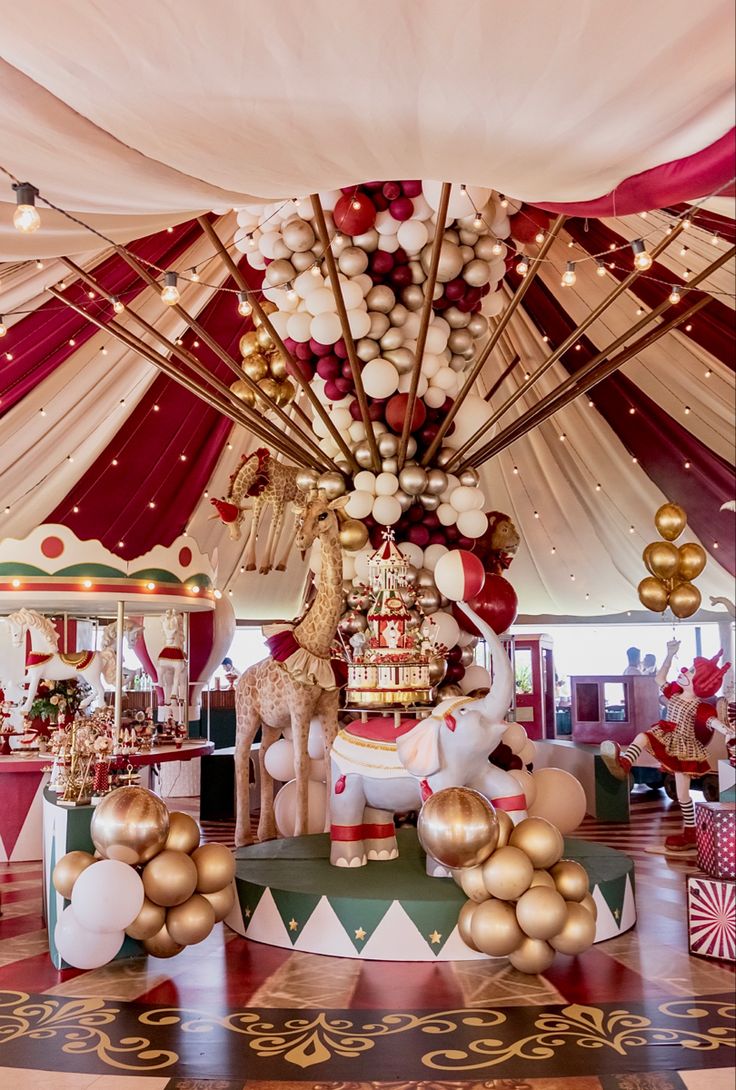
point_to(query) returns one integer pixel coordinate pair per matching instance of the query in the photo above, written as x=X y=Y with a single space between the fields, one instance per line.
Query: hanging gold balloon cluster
x=188 y=888
x=673 y=568
x=264 y=365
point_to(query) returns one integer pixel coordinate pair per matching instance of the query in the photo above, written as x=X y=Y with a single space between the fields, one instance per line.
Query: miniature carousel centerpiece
x=391 y=661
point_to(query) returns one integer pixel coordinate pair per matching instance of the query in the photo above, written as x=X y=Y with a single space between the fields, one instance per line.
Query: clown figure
x=678 y=741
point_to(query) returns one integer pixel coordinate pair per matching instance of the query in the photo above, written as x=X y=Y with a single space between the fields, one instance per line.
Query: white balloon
x=280 y=322
x=342 y=419
x=445 y=378
x=255 y=259
x=413 y=553
x=431 y=363
x=434 y=397
x=386 y=510
x=423 y=211
x=284 y=807
x=432 y=554
x=348 y=566
x=326 y=328
x=359 y=505
x=493 y=304
x=321 y=301
x=472 y=523
x=388 y=243
x=359 y=322
x=107 y=896
x=462 y=498
x=279 y=760
x=405 y=383
x=412 y=235
x=316 y=740
x=447 y=514
x=446 y=629
x=361 y=563
x=436 y=338
x=461 y=203
x=386 y=224
x=380 y=378
x=266 y=242
x=475 y=677
x=329 y=198
x=474 y=413
x=299 y=327
x=365 y=481
x=357 y=431
x=363 y=281
x=82 y=948
x=452 y=483
x=387 y=484
x=352 y=294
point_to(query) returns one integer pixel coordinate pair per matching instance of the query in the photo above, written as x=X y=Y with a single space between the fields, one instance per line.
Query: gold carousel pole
x=119 y=635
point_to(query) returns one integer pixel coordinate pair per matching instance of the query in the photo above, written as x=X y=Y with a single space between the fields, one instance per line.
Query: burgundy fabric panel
x=660 y=443
x=712 y=328
x=706 y=173
x=113 y=501
x=39 y=343
x=201 y=638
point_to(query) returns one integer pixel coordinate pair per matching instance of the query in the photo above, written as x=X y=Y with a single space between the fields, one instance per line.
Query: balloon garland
x=152 y=882
x=673 y=568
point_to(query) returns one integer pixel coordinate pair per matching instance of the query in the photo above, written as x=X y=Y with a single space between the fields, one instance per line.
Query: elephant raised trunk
x=497 y=702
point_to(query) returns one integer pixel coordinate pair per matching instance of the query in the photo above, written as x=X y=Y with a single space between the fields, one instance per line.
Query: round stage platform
x=290 y=896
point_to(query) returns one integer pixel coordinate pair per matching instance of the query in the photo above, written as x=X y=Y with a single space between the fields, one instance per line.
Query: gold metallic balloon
x=184 y=833
x=333 y=484
x=692 y=560
x=256 y=366
x=268 y=308
x=191 y=922
x=541 y=840
x=662 y=559
x=264 y=337
x=215 y=867
x=277 y=363
x=249 y=343
x=222 y=900
x=244 y=392
x=285 y=393
x=541 y=912
x=437 y=669
x=508 y=873
x=68 y=869
x=269 y=389
x=161 y=945
x=670 y=521
x=470 y=880
x=544 y=879
x=457 y=827
x=170 y=878
x=464 y=922
x=130 y=824
x=578 y=932
x=494 y=928
x=589 y=904
x=653 y=594
x=148 y=922
x=353 y=535
x=571 y=879
x=505 y=828
x=532 y=956
x=684 y=600
x=306 y=479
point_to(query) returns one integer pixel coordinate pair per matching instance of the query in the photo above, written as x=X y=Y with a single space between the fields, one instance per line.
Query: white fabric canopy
x=155 y=111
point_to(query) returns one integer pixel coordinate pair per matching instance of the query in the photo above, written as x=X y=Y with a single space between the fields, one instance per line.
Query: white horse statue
x=44 y=660
x=171 y=664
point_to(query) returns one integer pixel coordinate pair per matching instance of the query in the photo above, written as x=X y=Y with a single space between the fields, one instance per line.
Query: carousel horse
x=44 y=660
x=171 y=664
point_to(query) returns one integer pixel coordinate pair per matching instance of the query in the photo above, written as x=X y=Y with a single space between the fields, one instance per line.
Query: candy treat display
x=678 y=741
x=391 y=662
x=153 y=882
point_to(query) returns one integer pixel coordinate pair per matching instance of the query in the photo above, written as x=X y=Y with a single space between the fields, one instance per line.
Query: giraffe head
x=316 y=517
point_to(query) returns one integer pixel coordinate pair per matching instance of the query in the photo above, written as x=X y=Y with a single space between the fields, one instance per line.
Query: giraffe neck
x=317 y=630
x=243 y=480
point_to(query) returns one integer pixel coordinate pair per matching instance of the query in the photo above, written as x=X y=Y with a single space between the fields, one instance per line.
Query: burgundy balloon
x=319 y=349
x=290 y=343
x=419 y=535
x=427 y=434
x=412 y=188
x=496 y=604
x=354 y=410
x=402 y=208
x=332 y=392
x=415 y=513
x=396 y=410
x=352 y=220
x=391 y=190
x=401 y=257
x=380 y=201
x=346 y=372
x=344 y=385
x=328 y=368
x=339 y=349
x=302 y=351
x=300 y=367
x=401 y=276
x=455 y=289
x=455 y=673
x=454 y=654
x=381 y=262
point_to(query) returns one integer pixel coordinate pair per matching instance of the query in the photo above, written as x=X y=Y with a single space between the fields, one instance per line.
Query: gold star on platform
x=616 y=914
x=360 y=934
x=435 y=938
x=247 y=913
x=293 y=925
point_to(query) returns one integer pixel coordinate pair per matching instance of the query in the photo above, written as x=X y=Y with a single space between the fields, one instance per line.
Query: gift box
x=716 y=838
x=711 y=918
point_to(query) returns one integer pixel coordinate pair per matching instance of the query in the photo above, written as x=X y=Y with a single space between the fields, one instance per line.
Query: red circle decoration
x=185 y=556
x=354 y=214
x=396 y=411
x=52 y=547
x=496 y=604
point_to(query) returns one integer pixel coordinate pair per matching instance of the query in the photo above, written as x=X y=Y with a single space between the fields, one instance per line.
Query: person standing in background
x=649 y=665
x=633 y=654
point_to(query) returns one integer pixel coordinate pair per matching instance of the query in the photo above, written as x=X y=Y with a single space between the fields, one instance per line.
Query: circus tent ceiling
x=96 y=438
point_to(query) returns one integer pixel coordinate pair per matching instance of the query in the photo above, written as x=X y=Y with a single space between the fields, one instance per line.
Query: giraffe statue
x=267 y=481
x=300 y=680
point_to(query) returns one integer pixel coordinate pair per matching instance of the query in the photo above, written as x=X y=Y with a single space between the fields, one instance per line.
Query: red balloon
x=396 y=412
x=528 y=222
x=496 y=604
x=391 y=190
x=412 y=188
x=354 y=214
x=402 y=208
x=418 y=535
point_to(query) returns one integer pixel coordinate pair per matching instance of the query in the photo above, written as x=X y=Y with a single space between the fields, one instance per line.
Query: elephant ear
x=419 y=750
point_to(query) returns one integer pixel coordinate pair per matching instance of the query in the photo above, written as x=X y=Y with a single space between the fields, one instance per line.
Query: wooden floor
x=634 y=1013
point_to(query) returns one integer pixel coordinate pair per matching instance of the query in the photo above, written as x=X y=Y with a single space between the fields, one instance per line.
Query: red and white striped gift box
x=711 y=918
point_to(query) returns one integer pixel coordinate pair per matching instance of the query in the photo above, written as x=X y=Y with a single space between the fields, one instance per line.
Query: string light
x=715 y=240
x=687 y=223
x=497 y=248
x=42 y=412
x=536 y=514
x=195 y=589
x=683 y=251
x=195 y=344
x=117 y=306
x=687 y=410
x=563 y=437
x=151 y=504
x=3 y=327
x=170 y=292
x=632 y=410
x=16 y=583
x=39 y=263
x=315 y=270
x=642 y=258
x=522 y=265
x=686 y=275
x=675 y=295
x=291 y=293
x=688 y=327
x=87 y=583
x=478 y=222
x=90 y=295
x=26 y=218
x=503 y=201
x=61 y=285
x=687 y=465
x=598 y=487
x=195 y=275
x=569 y=276
x=182 y=457
x=75 y=509
x=114 y=462
x=103 y=351
x=516 y=469
x=715 y=544
x=150 y=586
x=539 y=237
x=72 y=342
x=8 y=356
x=632 y=530
x=553 y=550
x=600 y=267
x=244 y=307
x=639 y=311
x=545 y=338
x=708 y=373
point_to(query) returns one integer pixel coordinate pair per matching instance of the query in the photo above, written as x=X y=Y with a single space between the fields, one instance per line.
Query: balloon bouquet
x=152 y=881
x=673 y=568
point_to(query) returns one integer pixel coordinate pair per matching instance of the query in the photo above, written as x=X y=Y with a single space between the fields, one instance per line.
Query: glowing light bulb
x=291 y=294
x=195 y=276
x=218 y=594
x=539 y=237
x=87 y=583
x=39 y=263
x=522 y=265
x=315 y=270
x=478 y=223
x=26 y=217
x=497 y=248
x=195 y=589
x=357 y=206
x=503 y=201
x=16 y=583
x=244 y=307
x=3 y=327
x=117 y=306
x=642 y=259
x=170 y=292
x=687 y=223
x=714 y=240
x=675 y=295
x=150 y=586
x=569 y=276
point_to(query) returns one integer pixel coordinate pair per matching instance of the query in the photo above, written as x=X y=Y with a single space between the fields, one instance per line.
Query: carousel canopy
x=156 y=141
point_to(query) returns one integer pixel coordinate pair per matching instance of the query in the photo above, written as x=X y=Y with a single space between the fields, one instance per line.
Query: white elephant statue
x=376 y=773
